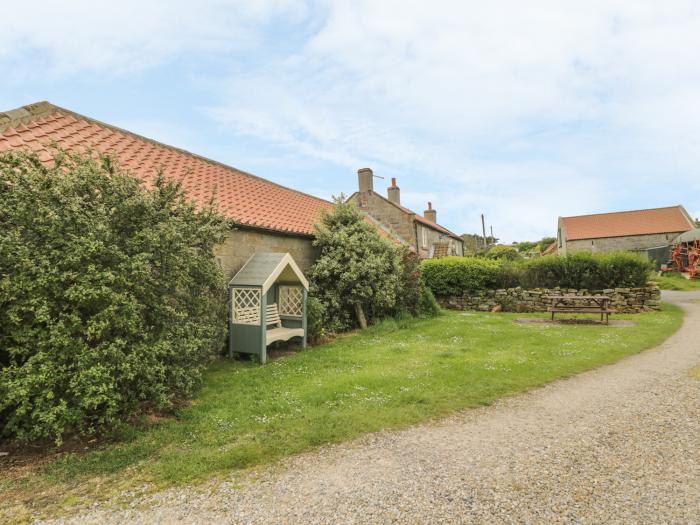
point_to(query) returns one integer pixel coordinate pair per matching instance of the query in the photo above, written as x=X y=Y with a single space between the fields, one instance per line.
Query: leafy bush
x=110 y=296
x=509 y=275
x=505 y=253
x=315 y=314
x=452 y=276
x=413 y=296
x=428 y=305
x=358 y=273
x=587 y=271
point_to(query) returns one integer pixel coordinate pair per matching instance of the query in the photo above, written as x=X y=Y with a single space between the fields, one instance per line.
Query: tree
x=526 y=247
x=357 y=273
x=111 y=299
x=507 y=253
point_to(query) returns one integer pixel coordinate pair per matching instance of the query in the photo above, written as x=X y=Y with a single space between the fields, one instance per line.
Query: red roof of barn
x=624 y=223
x=246 y=199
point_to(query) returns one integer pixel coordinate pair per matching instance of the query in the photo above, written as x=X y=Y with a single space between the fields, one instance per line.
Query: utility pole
x=483 y=229
x=492 y=237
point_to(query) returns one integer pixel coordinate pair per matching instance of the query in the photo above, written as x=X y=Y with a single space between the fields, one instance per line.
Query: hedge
x=588 y=271
x=453 y=276
x=456 y=275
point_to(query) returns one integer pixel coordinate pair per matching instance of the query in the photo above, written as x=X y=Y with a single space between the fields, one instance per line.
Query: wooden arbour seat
x=279 y=333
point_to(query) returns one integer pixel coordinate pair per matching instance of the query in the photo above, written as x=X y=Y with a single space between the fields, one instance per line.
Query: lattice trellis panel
x=246 y=306
x=291 y=301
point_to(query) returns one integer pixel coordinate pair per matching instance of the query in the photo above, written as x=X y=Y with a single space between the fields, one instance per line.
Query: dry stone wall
x=623 y=300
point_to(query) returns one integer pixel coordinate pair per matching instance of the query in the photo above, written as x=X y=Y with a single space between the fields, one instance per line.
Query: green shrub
x=428 y=305
x=110 y=296
x=505 y=253
x=315 y=314
x=587 y=271
x=413 y=297
x=509 y=275
x=452 y=276
x=358 y=273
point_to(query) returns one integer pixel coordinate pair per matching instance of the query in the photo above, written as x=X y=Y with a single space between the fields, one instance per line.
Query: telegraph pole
x=483 y=229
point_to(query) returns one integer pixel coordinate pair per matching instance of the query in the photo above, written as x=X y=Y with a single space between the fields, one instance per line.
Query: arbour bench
x=581 y=304
x=279 y=333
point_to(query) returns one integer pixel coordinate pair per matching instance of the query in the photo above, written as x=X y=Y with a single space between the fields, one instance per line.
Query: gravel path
x=620 y=444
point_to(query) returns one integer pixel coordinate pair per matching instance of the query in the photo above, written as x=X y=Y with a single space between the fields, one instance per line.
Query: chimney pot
x=393 y=192
x=430 y=213
x=365 y=179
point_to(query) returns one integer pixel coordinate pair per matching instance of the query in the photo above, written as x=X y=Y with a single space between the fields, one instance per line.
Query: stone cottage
x=636 y=230
x=421 y=232
x=265 y=215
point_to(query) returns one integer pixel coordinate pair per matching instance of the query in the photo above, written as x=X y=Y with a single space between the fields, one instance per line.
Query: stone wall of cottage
x=386 y=213
x=623 y=300
x=240 y=244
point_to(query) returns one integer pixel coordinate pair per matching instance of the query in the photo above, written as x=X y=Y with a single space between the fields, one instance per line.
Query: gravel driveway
x=620 y=444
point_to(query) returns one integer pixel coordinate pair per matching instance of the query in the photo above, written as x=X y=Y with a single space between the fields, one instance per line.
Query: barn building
x=265 y=216
x=638 y=230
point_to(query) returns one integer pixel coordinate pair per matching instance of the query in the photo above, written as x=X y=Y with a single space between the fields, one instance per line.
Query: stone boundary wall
x=623 y=300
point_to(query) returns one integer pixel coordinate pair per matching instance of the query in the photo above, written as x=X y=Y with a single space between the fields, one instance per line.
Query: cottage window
x=424 y=237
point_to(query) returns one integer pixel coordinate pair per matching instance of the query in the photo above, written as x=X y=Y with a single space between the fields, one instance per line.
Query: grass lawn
x=393 y=375
x=675 y=281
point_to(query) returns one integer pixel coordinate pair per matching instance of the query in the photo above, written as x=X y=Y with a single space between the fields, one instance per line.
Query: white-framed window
x=424 y=237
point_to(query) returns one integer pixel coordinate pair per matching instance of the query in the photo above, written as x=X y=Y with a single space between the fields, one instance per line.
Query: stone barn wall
x=616 y=244
x=242 y=243
x=623 y=300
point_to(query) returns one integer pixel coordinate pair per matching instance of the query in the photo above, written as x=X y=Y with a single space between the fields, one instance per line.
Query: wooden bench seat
x=581 y=304
x=580 y=309
x=279 y=333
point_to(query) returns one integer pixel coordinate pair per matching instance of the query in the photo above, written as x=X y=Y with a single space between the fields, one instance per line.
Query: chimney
x=393 y=192
x=365 y=178
x=430 y=213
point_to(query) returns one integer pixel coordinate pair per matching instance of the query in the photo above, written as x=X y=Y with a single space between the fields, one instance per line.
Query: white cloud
x=123 y=36
x=523 y=110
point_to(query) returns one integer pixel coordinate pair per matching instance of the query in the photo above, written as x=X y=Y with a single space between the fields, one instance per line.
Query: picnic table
x=581 y=304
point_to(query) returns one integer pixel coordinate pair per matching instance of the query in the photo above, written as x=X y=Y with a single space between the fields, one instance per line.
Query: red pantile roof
x=246 y=199
x=625 y=223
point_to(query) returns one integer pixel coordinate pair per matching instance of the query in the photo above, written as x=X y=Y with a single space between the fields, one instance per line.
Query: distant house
x=265 y=215
x=421 y=232
x=626 y=230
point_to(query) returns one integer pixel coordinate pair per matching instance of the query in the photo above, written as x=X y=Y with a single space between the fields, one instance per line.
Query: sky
x=522 y=111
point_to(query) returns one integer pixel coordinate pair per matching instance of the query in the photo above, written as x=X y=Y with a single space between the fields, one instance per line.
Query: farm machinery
x=685 y=255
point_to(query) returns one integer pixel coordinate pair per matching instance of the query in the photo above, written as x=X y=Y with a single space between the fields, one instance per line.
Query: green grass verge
x=393 y=375
x=675 y=281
